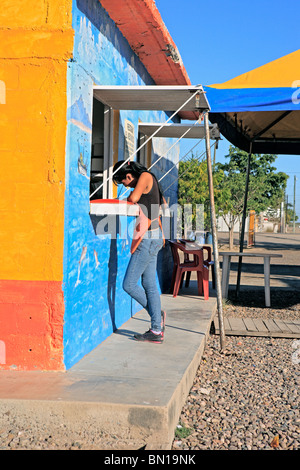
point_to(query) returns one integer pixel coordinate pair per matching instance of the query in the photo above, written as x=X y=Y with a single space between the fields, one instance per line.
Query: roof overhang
x=187 y=99
x=141 y=24
x=178 y=130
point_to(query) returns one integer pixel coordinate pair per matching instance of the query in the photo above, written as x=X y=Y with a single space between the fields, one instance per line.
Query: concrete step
x=126 y=389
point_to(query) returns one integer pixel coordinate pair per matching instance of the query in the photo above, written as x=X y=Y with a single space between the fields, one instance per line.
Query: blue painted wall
x=94 y=265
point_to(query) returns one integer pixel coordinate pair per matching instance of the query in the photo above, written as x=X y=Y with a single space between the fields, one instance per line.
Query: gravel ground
x=285 y=304
x=15 y=436
x=246 y=398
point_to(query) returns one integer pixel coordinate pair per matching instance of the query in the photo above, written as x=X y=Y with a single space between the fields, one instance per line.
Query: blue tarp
x=234 y=100
x=261 y=106
x=267 y=117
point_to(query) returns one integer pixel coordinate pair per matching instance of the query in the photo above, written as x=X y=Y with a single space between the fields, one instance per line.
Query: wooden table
x=226 y=270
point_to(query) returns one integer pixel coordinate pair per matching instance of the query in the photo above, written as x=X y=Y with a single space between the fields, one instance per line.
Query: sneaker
x=163 y=322
x=150 y=337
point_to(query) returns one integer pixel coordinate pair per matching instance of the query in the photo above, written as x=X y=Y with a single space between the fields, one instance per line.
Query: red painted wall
x=31 y=325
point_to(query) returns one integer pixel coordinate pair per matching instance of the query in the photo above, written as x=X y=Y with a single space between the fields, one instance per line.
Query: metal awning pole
x=180 y=160
x=183 y=173
x=146 y=141
x=243 y=223
x=162 y=156
x=175 y=143
x=214 y=233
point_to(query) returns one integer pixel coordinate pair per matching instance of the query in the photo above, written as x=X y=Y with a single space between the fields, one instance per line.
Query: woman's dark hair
x=135 y=169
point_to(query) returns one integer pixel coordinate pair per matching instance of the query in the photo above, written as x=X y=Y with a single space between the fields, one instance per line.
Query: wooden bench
x=226 y=270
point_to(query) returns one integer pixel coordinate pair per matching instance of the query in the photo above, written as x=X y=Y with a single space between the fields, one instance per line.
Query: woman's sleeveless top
x=148 y=218
x=150 y=204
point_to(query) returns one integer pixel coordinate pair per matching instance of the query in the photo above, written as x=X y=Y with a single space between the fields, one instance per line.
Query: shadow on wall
x=112 y=280
x=165 y=267
x=109 y=226
x=100 y=19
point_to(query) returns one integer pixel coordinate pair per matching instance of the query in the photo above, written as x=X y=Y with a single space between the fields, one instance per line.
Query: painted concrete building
x=60 y=277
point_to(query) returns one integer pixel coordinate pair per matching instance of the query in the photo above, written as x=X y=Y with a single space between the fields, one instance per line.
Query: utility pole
x=282 y=217
x=294 y=223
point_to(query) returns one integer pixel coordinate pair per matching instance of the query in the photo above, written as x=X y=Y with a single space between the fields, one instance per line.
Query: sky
x=221 y=39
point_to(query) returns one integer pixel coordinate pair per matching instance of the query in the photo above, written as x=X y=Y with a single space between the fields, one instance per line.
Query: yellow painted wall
x=36 y=42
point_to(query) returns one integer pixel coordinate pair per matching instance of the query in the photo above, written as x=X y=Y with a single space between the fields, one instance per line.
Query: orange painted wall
x=31 y=325
x=36 y=42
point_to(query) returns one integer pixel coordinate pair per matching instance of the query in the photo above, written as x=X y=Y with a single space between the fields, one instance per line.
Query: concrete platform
x=133 y=391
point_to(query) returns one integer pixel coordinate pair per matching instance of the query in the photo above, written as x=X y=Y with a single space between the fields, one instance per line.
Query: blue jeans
x=143 y=264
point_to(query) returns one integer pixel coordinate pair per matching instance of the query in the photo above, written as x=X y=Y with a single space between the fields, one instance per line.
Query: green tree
x=266 y=186
x=193 y=187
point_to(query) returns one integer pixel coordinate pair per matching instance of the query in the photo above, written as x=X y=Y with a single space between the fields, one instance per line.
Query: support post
x=267 y=280
x=243 y=222
x=294 y=208
x=214 y=233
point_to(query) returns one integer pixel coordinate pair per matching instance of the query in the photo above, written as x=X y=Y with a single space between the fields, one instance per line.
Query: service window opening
x=101 y=152
x=97 y=151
